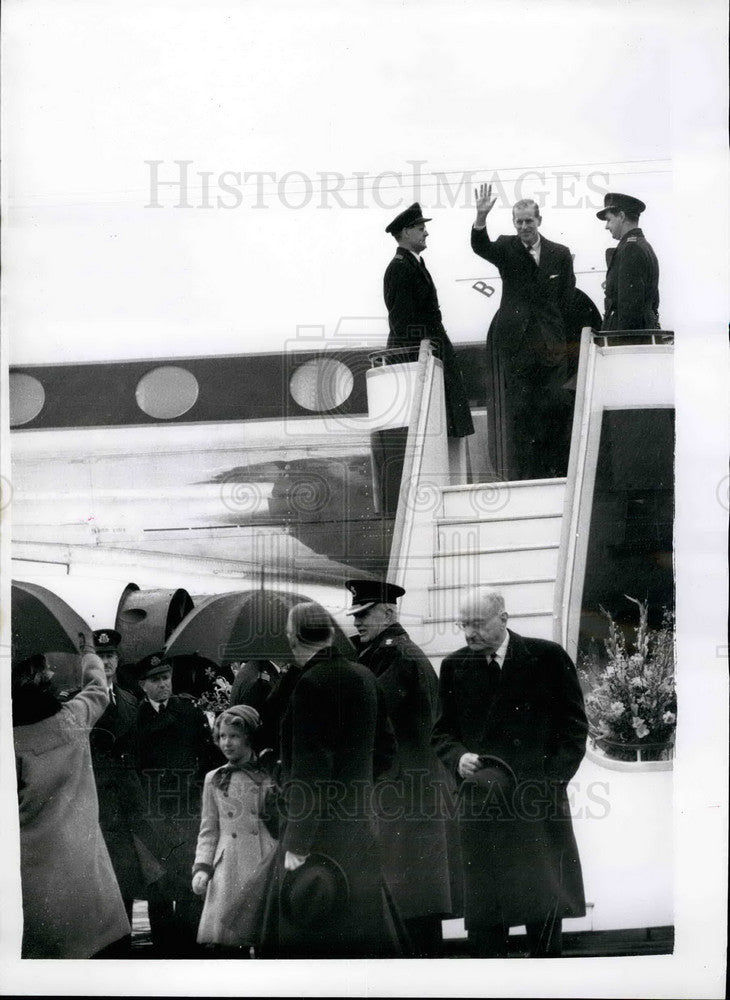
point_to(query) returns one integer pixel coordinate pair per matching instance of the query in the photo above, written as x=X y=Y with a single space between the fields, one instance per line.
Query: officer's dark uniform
x=632 y=278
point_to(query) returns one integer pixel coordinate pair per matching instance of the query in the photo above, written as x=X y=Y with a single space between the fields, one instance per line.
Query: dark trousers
x=544 y=939
x=424 y=936
x=174 y=926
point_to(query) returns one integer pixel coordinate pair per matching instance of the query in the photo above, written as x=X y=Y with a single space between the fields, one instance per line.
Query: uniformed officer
x=411 y=823
x=414 y=313
x=632 y=278
x=119 y=790
x=174 y=751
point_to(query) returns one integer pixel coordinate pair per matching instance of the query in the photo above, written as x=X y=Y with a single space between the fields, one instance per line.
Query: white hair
x=488 y=600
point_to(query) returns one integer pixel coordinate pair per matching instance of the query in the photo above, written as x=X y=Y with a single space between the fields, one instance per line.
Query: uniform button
x=230 y=815
x=517 y=743
x=234 y=835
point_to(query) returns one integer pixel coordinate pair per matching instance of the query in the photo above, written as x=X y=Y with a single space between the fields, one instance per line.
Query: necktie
x=162 y=708
x=112 y=699
x=494 y=674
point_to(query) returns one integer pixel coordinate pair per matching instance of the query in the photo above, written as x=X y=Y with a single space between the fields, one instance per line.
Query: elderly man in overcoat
x=515 y=703
x=529 y=338
x=174 y=751
x=414 y=313
x=411 y=827
x=335 y=738
x=632 y=278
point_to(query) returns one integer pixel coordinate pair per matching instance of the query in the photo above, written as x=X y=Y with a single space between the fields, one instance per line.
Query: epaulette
x=633 y=239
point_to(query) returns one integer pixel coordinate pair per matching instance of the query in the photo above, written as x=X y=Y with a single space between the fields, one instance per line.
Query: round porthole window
x=26 y=397
x=321 y=384
x=167 y=392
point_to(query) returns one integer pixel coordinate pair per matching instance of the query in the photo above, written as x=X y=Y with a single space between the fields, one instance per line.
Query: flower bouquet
x=631 y=702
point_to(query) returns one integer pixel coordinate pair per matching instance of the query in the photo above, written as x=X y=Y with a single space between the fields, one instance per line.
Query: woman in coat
x=233 y=837
x=72 y=907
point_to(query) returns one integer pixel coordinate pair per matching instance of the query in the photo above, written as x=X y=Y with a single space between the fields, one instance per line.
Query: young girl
x=233 y=838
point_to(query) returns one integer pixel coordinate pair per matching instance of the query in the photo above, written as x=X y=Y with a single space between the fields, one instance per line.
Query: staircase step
x=478 y=566
x=525 y=497
x=528 y=595
x=467 y=534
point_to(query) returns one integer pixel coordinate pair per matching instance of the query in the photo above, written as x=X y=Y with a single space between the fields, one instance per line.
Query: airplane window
x=321 y=384
x=167 y=392
x=26 y=396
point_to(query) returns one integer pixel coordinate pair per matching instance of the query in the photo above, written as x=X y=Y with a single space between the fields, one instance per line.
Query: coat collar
x=412 y=262
x=611 y=251
x=366 y=651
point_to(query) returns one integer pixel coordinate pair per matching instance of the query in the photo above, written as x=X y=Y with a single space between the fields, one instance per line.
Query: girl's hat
x=249 y=715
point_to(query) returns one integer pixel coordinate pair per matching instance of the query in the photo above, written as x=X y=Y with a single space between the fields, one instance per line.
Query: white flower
x=669 y=718
x=615 y=709
x=636 y=682
x=640 y=726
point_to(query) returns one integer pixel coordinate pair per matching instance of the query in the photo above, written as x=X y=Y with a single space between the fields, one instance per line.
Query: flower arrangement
x=216 y=698
x=632 y=703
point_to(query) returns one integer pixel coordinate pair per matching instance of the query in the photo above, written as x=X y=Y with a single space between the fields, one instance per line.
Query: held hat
x=106 y=640
x=152 y=665
x=492 y=772
x=314 y=892
x=621 y=203
x=412 y=216
x=366 y=593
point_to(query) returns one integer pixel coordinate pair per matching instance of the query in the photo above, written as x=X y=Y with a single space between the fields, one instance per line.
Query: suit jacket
x=414 y=314
x=520 y=856
x=533 y=298
x=632 y=285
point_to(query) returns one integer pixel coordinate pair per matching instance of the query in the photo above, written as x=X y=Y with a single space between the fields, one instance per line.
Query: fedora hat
x=315 y=891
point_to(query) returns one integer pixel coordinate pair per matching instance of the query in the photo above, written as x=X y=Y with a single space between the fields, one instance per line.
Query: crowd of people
x=341 y=806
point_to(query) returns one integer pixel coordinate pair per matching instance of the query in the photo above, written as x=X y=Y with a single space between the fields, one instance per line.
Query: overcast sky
x=108 y=259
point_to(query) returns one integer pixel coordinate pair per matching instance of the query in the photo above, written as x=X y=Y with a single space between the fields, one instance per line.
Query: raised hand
x=485 y=202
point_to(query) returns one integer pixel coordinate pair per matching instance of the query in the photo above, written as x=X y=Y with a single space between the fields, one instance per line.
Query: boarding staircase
x=529 y=538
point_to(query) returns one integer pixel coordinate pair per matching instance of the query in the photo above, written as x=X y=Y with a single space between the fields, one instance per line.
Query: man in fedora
x=175 y=749
x=411 y=827
x=515 y=705
x=527 y=340
x=118 y=786
x=414 y=313
x=632 y=278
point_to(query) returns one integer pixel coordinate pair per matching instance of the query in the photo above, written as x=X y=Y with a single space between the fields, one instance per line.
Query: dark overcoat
x=632 y=285
x=118 y=786
x=175 y=749
x=527 y=342
x=333 y=729
x=411 y=814
x=519 y=851
x=414 y=313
